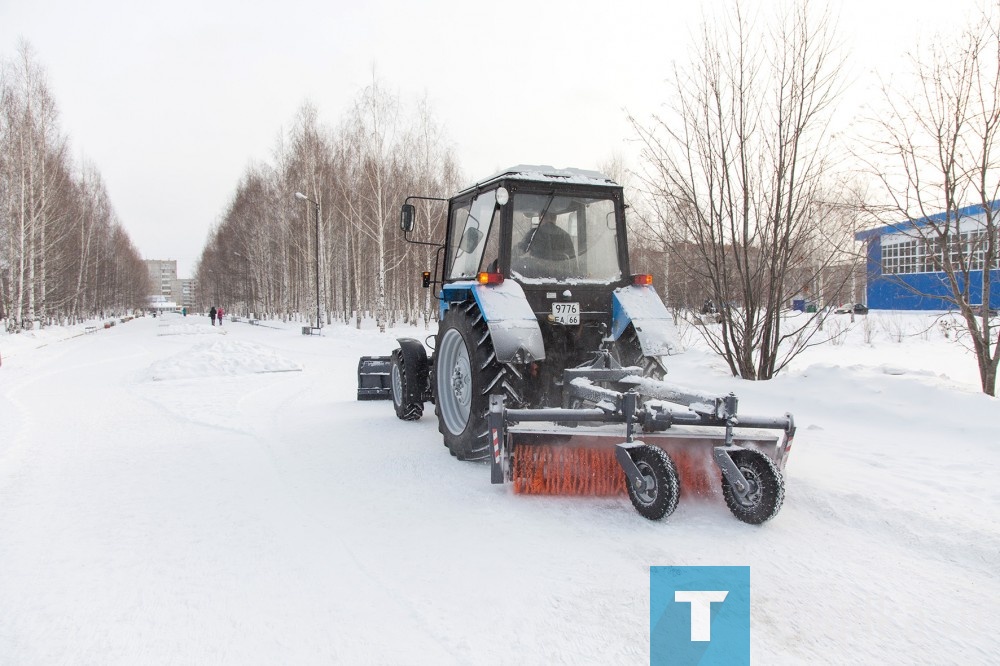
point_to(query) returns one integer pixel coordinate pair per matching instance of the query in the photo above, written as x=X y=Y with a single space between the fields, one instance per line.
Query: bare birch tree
x=374 y=123
x=738 y=178
x=937 y=161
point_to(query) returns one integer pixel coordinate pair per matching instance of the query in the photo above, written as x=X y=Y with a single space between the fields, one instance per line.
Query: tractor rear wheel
x=406 y=388
x=767 y=488
x=466 y=373
x=659 y=499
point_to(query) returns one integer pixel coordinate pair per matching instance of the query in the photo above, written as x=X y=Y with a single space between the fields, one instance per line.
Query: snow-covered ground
x=172 y=492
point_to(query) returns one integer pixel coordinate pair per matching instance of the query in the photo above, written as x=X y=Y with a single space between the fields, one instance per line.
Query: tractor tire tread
x=755 y=464
x=490 y=375
x=663 y=500
x=408 y=409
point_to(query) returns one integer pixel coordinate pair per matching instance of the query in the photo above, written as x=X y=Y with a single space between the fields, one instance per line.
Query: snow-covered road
x=172 y=492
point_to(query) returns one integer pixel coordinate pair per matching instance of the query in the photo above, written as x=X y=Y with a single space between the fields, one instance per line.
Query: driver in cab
x=549 y=241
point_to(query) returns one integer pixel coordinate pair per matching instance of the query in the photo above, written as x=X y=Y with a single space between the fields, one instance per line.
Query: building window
x=927 y=255
x=902 y=257
x=976 y=249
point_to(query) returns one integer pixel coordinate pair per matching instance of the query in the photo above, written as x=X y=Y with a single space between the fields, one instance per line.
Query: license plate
x=566 y=313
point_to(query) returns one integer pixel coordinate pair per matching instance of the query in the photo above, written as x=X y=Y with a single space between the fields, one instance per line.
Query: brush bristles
x=566 y=470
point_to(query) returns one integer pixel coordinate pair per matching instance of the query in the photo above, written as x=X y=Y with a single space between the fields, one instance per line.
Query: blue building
x=901 y=261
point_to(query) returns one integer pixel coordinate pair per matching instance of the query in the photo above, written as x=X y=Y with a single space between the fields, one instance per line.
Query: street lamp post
x=299 y=195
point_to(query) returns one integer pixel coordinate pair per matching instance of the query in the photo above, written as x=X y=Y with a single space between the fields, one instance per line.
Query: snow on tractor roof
x=548 y=173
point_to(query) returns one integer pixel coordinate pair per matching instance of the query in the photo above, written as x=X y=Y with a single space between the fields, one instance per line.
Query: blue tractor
x=542 y=319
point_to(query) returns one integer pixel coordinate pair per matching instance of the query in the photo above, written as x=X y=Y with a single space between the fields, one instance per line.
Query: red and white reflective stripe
x=496 y=445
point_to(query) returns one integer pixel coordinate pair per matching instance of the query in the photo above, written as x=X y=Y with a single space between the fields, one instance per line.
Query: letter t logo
x=701 y=610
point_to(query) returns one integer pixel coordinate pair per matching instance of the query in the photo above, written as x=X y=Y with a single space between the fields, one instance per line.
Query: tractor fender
x=414 y=353
x=641 y=307
x=513 y=327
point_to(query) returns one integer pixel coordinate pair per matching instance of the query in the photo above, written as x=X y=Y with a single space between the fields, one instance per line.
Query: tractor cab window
x=563 y=238
x=470 y=229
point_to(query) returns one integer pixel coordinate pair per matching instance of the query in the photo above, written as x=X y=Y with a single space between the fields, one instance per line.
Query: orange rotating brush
x=543 y=469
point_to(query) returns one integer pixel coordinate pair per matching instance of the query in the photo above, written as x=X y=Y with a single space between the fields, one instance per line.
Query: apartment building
x=165 y=283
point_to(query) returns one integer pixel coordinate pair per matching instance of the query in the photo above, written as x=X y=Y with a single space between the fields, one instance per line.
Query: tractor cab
x=559 y=234
x=541 y=227
x=543 y=233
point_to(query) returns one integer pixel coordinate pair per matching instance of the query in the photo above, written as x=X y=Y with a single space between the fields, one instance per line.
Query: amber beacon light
x=642 y=280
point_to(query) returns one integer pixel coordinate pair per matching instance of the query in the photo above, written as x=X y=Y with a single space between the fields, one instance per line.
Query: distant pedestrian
x=184 y=311
x=212 y=314
x=219 y=315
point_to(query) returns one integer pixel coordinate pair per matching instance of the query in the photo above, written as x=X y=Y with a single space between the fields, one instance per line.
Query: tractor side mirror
x=470 y=240
x=406 y=217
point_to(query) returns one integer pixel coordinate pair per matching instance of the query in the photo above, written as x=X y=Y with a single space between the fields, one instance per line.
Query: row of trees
x=742 y=188
x=742 y=184
x=63 y=254
x=261 y=258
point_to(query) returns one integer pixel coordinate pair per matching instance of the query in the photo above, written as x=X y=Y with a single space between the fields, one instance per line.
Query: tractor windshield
x=564 y=238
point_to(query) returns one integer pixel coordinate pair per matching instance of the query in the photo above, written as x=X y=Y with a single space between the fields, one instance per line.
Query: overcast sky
x=171 y=100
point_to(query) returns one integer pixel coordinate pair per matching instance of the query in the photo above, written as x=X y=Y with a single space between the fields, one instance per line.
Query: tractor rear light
x=489 y=278
x=642 y=280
